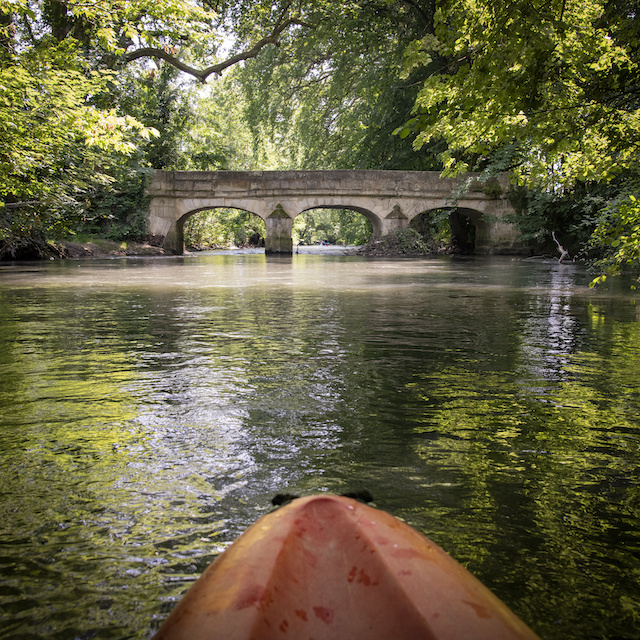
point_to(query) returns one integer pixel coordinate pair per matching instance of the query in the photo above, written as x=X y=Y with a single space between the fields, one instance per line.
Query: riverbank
x=404 y=242
x=99 y=248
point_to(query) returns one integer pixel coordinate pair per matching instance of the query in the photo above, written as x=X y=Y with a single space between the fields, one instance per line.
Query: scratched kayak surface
x=330 y=567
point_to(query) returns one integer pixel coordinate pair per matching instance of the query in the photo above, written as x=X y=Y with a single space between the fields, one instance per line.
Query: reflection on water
x=150 y=408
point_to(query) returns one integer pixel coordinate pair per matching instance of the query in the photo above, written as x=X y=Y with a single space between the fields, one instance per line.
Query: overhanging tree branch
x=425 y=15
x=203 y=74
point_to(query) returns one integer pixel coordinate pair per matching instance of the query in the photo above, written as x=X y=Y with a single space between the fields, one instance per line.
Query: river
x=151 y=407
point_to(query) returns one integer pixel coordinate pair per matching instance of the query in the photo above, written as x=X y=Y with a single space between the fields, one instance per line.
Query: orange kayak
x=330 y=567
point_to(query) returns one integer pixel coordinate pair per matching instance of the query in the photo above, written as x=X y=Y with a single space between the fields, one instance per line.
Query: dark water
x=149 y=410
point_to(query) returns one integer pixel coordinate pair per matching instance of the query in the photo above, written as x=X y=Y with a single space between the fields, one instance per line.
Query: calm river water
x=150 y=408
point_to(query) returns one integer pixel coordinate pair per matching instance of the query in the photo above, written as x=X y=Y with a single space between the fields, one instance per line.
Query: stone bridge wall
x=389 y=199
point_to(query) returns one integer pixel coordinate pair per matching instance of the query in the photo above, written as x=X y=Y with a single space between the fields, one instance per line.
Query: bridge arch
x=389 y=199
x=375 y=221
x=363 y=224
x=185 y=209
x=247 y=226
x=469 y=228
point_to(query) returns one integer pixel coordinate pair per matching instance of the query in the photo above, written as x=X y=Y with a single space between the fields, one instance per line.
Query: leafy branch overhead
x=219 y=67
x=556 y=81
x=93 y=96
x=180 y=33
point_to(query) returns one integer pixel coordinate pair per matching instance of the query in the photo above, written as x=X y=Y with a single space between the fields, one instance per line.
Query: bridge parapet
x=389 y=199
x=264 y=183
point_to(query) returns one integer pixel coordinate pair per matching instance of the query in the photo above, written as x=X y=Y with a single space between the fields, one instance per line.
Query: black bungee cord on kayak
x=362 y=495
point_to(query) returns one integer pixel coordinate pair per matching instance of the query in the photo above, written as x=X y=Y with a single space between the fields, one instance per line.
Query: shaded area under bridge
x=389 y=199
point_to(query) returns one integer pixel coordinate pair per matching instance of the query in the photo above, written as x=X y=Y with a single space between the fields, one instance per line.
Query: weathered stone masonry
x=389 y=199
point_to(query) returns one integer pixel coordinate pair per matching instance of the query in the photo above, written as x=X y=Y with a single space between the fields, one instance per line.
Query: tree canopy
x=94 y=95
x=70 y=129
x=336 y=95
x=57 y=142
x=548 y=90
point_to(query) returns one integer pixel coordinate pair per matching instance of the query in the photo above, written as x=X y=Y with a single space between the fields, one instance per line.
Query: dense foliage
x=333 y=226
x=223 y=228
x=333 y=98
x=619 y=229
x=85 y=111
x=57 y=144
x=549 y=87
x=233 y=227
x=546 y=90
x=94 y=96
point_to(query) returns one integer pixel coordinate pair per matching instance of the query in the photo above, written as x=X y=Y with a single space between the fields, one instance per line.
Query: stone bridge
x=389 y=199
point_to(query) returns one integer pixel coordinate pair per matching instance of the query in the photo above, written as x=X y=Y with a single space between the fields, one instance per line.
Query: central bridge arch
x=218 y=227
x=350 y=225
x=389 y=199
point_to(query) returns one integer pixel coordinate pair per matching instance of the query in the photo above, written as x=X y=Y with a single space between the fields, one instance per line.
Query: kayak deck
x=329 y=567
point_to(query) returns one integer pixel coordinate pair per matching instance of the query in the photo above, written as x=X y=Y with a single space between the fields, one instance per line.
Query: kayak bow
x=330 y=567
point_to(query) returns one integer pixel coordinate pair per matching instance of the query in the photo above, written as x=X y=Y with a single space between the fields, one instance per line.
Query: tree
x=335 y=226
x=67 y=132
x=619 y=230
x=154 y=97
x=218 y=228
x=260 y=23
x=546 y=89
x=333 y=98
x=56 y=142
x=220 y=137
